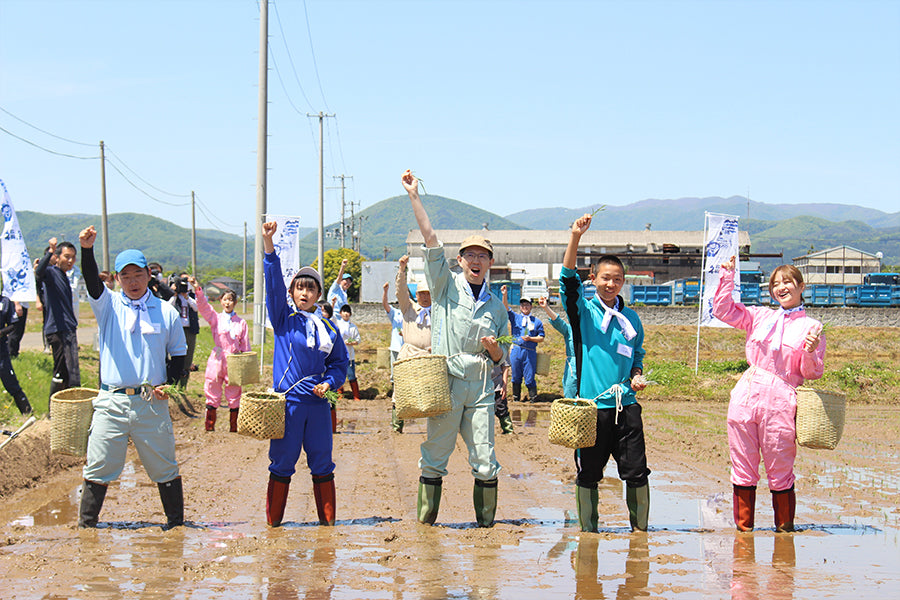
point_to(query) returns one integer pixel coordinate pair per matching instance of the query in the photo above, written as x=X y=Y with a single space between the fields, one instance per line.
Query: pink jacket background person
x=230 y=336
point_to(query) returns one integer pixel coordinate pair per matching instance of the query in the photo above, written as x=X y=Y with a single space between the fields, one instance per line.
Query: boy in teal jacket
x=609 y=358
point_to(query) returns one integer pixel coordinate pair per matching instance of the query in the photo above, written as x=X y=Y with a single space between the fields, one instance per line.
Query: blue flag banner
x=15 y=264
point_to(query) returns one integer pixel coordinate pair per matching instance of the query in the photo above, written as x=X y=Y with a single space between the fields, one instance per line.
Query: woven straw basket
x=243 y=368
x=383 y=358
x=573 y=422
x=820 y=418
x=261 y=415
x=543 y=364
x=421 y=386
x=72 y=410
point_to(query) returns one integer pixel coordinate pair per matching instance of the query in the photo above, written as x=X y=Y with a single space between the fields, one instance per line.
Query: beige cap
x=476 y=240
x=422 y=285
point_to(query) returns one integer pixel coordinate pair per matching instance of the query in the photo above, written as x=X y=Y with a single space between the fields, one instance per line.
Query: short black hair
x=62 y=245
x=607 y=259
x=346 y=309
x=327 y=310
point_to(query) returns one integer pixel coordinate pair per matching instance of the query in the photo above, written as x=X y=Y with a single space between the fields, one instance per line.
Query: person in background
x=415 y=318
x=309 y=360
x=230 y=336
x=466 y=321
x=500 y=377
x=396 y=318
x=350 y=334
x=784 y=348
x=527 y=332
x=609 y=357
x=185 y=303
x=326 y=311
x=8 y=323
x=137 y=332
x=60 y=321
x=14 y=339
x=159 y=285
x=569 y=384
x=337 y=293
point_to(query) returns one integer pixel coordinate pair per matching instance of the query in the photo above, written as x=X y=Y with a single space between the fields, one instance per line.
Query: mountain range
x=791 y=229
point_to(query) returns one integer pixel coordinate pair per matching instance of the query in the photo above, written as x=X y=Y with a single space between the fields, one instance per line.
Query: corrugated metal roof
x=553 y=237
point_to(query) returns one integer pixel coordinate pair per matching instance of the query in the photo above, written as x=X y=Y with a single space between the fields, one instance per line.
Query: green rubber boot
x=587 y=501
x=484 y=496
x=429 y=499
x=396 y=424
x=506 y=425
x=638 y=501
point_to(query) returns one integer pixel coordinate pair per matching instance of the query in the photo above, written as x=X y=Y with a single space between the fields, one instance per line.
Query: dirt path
x=377 y=550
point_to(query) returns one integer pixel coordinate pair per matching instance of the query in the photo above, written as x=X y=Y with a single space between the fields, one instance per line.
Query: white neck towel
x=314 y=324
x=138 y=314
x=627 y=328
x=776 y=326
x=424 y=317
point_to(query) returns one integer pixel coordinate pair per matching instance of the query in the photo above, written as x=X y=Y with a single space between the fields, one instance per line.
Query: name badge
x=154 y=328
x=624 y=350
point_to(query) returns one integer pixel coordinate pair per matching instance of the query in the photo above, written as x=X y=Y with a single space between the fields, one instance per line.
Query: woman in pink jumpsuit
x=784 y=347
x=230 y=336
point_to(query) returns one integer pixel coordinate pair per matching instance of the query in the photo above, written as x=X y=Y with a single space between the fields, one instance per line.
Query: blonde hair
x=790 y=271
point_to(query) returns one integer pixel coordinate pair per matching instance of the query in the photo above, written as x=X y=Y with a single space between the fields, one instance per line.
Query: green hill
x=686 y=214
x=161 y=241
x=386 y=224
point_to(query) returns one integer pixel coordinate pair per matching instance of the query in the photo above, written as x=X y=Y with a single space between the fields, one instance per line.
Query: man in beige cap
x=466 y=321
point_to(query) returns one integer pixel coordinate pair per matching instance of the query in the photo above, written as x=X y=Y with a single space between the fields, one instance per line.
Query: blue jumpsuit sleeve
x=336 y=363
x=276 y=293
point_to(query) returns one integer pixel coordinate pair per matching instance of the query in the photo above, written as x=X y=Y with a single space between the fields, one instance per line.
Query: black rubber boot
x=92 y=495
x=517 y=392
x=172 y=497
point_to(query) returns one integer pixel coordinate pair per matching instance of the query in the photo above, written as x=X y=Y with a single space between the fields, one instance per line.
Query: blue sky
x=504 y=105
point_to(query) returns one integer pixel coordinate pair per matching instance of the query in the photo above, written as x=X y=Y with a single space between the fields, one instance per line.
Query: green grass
x=861 y=363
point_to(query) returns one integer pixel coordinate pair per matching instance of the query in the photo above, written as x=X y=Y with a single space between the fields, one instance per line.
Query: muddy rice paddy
x=848 y=511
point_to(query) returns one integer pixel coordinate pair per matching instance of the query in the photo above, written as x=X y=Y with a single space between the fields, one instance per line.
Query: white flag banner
x=15 y=264
x=720 y=244
x=287 y=247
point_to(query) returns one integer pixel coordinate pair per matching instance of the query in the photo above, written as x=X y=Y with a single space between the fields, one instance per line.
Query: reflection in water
x=587 y=566
x=637 y=568
x=750 y=581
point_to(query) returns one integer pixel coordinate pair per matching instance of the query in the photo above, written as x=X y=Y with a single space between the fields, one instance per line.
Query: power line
x=290 y=60
x=119 y=171
x=312 y=51
x=210 y=216
x=30 y=143
x=130 y=170
x=59 y=137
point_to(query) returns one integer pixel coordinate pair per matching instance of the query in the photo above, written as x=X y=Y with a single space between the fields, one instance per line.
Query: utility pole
x=104 y=225
x=244 y=275
x=261 y=146
x=321 y=116
x=193 y=236
x=343 y=187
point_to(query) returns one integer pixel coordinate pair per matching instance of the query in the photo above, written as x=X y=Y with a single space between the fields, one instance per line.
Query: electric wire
x=210 y=215
x=312 y=51
x=130 y=170
x=30 y=143
x=290 y=58
x=135 y=186
x=59 y=137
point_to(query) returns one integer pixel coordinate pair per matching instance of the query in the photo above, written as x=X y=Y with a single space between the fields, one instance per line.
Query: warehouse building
x=662 y=255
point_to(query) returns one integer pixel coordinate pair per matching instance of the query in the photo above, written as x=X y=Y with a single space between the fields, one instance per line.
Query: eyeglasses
x=473 y=256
